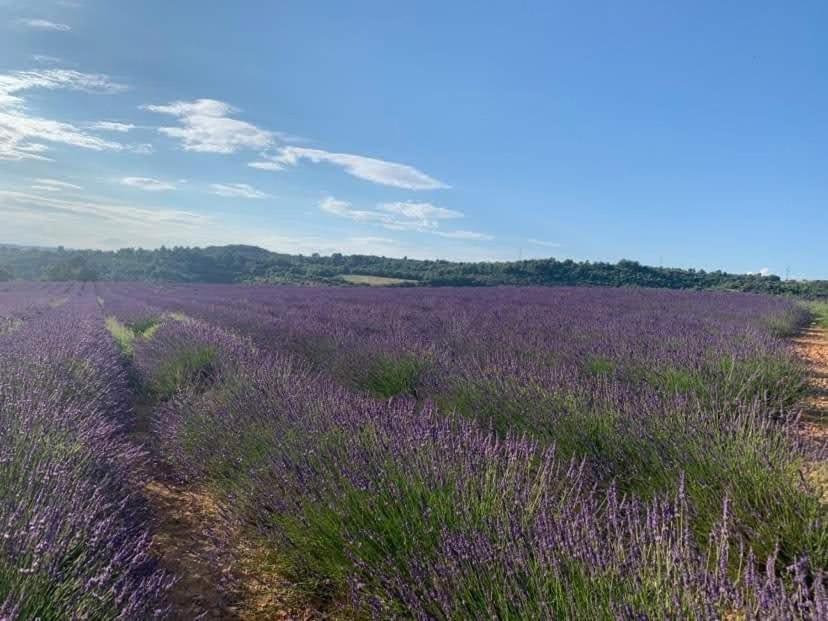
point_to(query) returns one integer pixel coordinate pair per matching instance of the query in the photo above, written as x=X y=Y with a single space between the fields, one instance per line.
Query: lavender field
x=450 y=454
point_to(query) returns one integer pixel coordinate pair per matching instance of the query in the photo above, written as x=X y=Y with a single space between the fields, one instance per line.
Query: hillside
x=229 y=264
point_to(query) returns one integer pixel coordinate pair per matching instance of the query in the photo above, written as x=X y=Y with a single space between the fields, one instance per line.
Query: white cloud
x=53 y=79
x=101 y=223
x=765 y=271
x=367 y=168
x=267 y=165
x=22 y=136
x=541 y=242
x=141 y=149
x=236 y=190
x=343 y=208
x=206 y=127
x=470 y=235
x=368 y=239
x=12 y=201
x=95 y=222
x=112 y=126
x=43 y=24
x=148 y=184
x=53 y=185
x=45 y=59
x=402 y=216
x=425 y=212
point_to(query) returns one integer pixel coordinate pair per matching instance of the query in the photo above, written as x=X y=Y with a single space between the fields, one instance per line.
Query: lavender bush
x=653 y=477
x=73 y=542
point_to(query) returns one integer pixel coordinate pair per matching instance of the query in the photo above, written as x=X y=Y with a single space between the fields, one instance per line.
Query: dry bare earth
x=222 y=573
x=812 y=346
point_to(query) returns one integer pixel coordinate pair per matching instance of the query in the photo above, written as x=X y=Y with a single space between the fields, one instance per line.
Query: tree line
x=232 y=264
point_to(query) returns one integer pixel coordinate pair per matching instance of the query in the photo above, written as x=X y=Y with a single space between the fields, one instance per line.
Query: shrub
x=192 y=368
x=389 y=376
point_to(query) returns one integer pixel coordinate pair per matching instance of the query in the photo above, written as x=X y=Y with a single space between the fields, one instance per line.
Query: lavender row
x=74 y=541
x=617 y=332
x=399 y=509
x=643 y=384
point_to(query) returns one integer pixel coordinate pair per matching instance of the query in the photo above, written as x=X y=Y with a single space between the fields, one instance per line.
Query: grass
x=125 y=334
x=44 y=595
x=375 y=281
x=741 y=455
x=777 y=381
x=225 y=460
x=192 y=367
x=819 y=311
x=389 y=532
x=9 y=325
x=600 y=366
x=789 y=323
x=145 y=327
x=387 y=376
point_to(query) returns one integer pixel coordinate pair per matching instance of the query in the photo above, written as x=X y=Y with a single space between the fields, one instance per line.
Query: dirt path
x=222 y=574
x=188 y=539
x=812 y=346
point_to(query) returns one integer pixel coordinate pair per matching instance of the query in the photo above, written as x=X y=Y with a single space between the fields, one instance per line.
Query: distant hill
x=228 y=264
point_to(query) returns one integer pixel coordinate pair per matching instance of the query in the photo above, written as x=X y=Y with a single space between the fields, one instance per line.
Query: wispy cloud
x=425 y=213
x=54 y=79
x=88 y=208
x=268 y=164
x=19 y=132
x=343 y=209
x=469 y=235
x=207 y=127
x=402 y=216
x=45 y=59
x=112 y=126
x=22 y=136
x=44 y=24
x=370 y=239
x=237 y=190
x=53 y=185
x=94 y=222
x=141 y=149
x=147 y=184
x=541 y=242
x=367 y=168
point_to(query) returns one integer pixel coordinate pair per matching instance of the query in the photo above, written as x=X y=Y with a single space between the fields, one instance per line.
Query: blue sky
x=683 y=134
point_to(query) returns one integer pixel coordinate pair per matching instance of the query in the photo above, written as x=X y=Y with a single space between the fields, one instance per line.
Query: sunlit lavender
x=74 y=536
x=512 y=453
x=428 y=454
